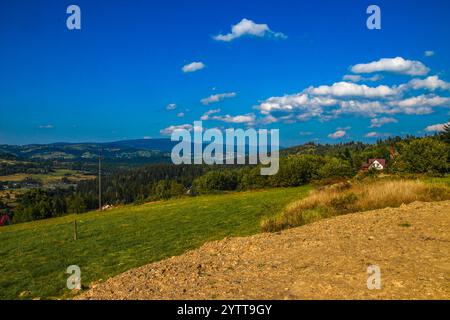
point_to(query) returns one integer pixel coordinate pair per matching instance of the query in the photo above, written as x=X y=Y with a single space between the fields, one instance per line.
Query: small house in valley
x=374 y=164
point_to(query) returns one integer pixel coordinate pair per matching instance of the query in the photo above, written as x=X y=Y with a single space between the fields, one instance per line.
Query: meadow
x=51 y=177
x=357 y=196
x=35 y=255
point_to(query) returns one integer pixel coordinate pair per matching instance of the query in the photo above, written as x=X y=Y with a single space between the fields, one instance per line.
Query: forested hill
x=134 y=151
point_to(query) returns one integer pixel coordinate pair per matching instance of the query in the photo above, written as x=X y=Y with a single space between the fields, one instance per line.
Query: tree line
x=298 y=166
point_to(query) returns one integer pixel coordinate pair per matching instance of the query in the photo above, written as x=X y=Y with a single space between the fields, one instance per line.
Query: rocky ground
x=323 y=260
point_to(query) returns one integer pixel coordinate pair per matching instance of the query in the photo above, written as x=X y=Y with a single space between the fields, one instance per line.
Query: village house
x=374 y=164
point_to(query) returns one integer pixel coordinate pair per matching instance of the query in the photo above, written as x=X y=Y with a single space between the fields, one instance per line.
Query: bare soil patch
x=323 y=260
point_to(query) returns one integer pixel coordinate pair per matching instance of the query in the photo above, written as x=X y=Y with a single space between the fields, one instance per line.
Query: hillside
x=324 y=260
x=126 y=151
x=35 y=255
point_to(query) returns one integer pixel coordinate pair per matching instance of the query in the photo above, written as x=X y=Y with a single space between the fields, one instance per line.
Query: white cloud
x=171 y=106
x=268 y=119
x=379 y=122
x=206 y=115
x=301 y=102
x=347 y=89
x=419 y=105
x=305 y=133
x=422 y=101
x=217 y=97
x=338 y=134
x=332 y=101
x=247 y=118
x=374 y=134
x=431 y=83
x=437 y=127
x=395 y=65
x=428 y=53
x=193 y=66
x=359 y=78
x=46 y=126
x=250 y=28
x=180 y=115
x=168 y=131
x=364 y=108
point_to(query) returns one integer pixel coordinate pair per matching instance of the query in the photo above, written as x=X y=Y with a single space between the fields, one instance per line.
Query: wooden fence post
x=75 y=231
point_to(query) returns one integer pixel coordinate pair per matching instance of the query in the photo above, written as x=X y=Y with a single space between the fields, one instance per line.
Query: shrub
x=425 y=155
x=334 y=168
x=216 y=181
x=343 y=202
x=166 y=189
x=297 y=170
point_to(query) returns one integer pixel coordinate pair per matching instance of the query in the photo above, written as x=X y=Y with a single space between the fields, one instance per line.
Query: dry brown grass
x=360 y=196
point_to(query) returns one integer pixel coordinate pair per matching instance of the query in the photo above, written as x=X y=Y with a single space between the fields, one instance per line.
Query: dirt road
x=323 y=260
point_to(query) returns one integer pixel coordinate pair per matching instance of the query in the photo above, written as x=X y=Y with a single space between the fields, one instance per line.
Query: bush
x=334 y=168
x=297 y=170
x=343 y=202
x=166 y=189
x=251 y=178
x=426 y=155
x=216 y=181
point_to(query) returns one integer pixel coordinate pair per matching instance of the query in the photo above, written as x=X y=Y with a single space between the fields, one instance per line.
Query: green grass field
x=34 y=256
x=50 y=177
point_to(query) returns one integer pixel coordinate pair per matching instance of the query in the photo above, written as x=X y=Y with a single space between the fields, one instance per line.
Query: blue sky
x=283 y=67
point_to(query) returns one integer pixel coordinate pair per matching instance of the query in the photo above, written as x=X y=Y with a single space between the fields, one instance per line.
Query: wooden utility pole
x=100 y=182
x=75 y=230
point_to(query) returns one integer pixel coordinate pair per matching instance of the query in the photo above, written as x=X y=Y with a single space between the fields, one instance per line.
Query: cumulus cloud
x=379 y=102
x=168 y=131
x=395 y=65
x=171 y=106
x=193 y=66
x=246 y=118
x=359 y=78
x=431 y=83
x=206 y=115
x=180 y=114
x=419 y=105
x=338 y=134
x=422 y=101
x=247 y=27
x=217 y=97
x=379 y=122
x=304 y=106
x=328 y=102
x=364 y=108
x=428 y=53
x=347 y=89
x=318 y=101
x=437 y=127
x=375 y=134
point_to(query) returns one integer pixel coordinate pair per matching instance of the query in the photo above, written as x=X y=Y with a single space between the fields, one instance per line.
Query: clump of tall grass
x=360 y=196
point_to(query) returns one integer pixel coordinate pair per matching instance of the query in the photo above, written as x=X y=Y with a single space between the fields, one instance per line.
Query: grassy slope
x=34 y=256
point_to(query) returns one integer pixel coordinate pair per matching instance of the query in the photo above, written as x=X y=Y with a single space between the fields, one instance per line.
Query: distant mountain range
x=162 y=145
x=125 y=151
x=142 y=150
